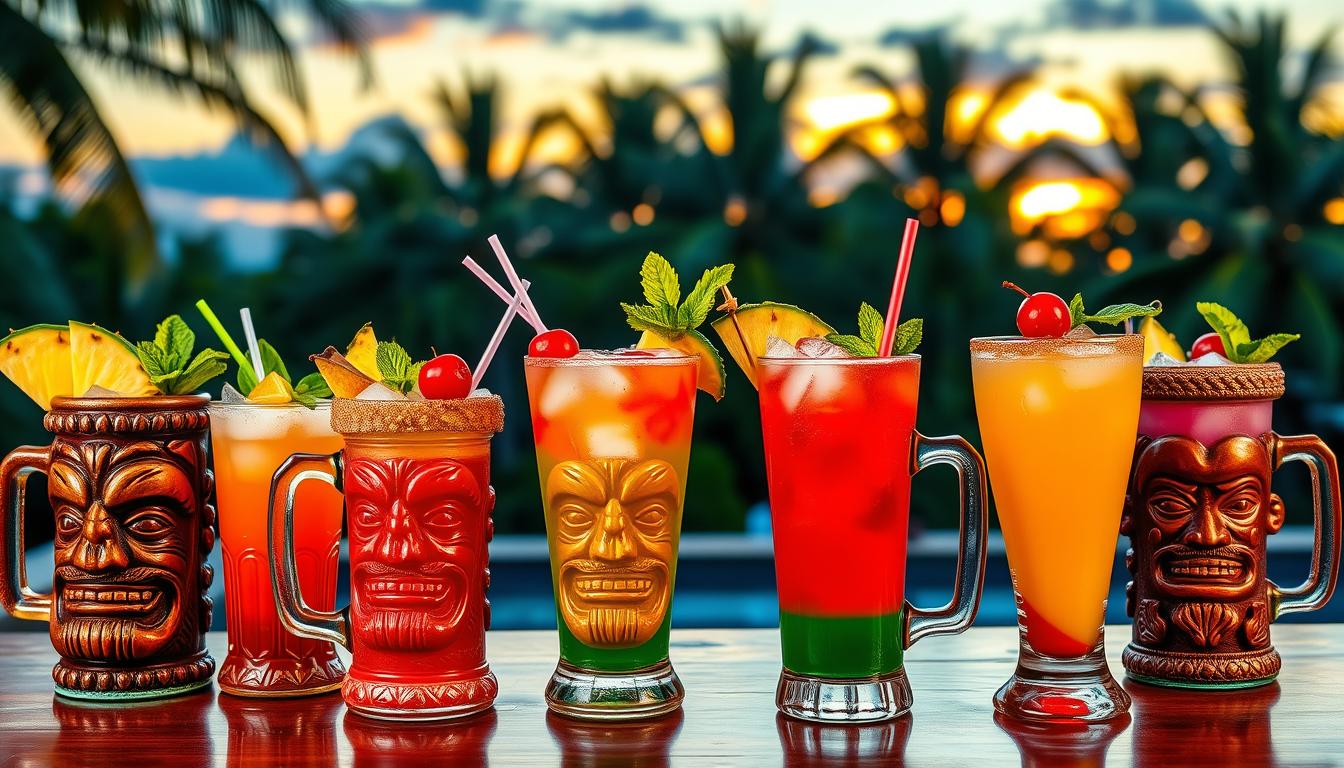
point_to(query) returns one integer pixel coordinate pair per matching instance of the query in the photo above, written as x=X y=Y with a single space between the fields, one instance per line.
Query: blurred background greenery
x=1227 y=191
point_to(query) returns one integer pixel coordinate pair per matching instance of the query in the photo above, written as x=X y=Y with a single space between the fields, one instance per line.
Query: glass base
x=635 y=695
x=1046 y=688
x=281 y=677
x=844 y=701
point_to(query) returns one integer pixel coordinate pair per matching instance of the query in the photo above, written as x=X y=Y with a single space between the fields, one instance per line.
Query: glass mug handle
x=19 y=600
x=1315 y=592
x=956 y=616
x=295 y=613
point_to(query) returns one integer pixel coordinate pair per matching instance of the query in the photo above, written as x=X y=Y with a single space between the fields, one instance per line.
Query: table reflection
x=299 y=731
x=391 y=743
x=177 y=730
x=638 y=744
x=1057 y=745
x=814 y=744
x=1184 y=727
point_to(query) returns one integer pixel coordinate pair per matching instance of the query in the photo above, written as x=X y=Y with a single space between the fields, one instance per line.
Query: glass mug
x=128 y=484
x=1198 y=515
x=416 y=478
x=840 y=451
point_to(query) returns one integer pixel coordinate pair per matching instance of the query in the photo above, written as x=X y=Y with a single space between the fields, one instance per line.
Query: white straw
x=500 y=291
x=253 y=348
x=479 y=372
x=516 y=282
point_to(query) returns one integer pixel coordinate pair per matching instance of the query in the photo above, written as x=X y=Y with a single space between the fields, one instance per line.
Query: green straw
x=225 y=338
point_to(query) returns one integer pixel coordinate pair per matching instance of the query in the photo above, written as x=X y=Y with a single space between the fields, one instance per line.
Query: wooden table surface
x=728 y=718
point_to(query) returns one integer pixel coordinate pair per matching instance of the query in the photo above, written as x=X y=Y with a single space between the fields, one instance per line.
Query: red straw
x=898 y=287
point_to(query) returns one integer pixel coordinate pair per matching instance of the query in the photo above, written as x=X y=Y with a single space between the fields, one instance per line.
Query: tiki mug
x=1199 y=509
x=129 y=487
x=416 y=478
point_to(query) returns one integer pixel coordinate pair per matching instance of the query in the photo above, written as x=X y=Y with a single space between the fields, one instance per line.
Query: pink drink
x=1205 y=421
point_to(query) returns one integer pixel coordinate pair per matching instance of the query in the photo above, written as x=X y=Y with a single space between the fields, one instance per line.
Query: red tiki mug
x=416 y=477
x=1198 y=513
x=128 y=484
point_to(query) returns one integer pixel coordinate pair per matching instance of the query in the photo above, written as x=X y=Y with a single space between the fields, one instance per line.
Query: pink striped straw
x=490 y=349
x=516 y=282
x=501 y=292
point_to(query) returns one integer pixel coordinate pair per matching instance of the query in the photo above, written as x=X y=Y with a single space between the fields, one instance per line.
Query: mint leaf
x=175 y=340
x=854 y=345
x=413 y=376
x=1261 y=350
x=1118 y=313
x=271 y=361
x=1076 y=311
x=870 y=324
x=151 y=359
x=642 y=317
x=313 y=385
x=392 y=360
x=659 y=278
x=1229 y=327
x=207 y=364
x=908 y=336
x=701 y=298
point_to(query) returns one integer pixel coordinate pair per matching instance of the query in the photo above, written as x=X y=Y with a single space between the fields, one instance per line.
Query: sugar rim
x=607 y=360
x=1023 y=346
x=854 y=361
x=353 y=416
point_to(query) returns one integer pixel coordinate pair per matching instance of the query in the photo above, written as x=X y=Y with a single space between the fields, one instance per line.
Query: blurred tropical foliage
x=1177 y=204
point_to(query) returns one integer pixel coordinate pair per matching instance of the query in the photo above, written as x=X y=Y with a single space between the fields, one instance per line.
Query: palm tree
x=182 y=48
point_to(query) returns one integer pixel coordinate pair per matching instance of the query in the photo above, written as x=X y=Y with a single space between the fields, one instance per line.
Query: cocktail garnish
x=362 y=352
x=1235 y=337
x=306 y=391
x=1114 y=314
x=747 y=329
x=557 y=342
x=669 y=323
x=446 y=377
x=871 y=328
x=169 y=363
x=342 y=376
x=1041 y=314
x=1208 y=344
x=396 y=367
x=1158 y=340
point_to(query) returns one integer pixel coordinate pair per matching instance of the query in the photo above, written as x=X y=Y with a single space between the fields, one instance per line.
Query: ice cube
x=414 y=394
x=379 y=391
x=480 y=392
x=615 y=440
x=97 y=391
x=777 y=347
x=1162 y=360
x=815 y=346
x=815 y=384
x=1212 y=358
x=1080 y=331
x=231 y=396
x=569 y=386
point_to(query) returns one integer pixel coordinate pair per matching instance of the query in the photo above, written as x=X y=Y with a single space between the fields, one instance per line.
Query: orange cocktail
x=249 y=443
x=1058 y=418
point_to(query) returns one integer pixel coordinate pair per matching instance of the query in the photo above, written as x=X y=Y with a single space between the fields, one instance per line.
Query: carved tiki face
x=132 y=532
x=1198 y=517
x=614 y=531
x=417 y=547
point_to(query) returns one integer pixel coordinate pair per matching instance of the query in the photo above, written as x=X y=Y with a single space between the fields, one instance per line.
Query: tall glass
x=249 y=443
x=840 y=450
x=1058 y=417
x=613 y=436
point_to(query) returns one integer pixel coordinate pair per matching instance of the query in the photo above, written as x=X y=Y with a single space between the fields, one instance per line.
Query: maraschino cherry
x=556 y=342
x=1041 y=314
x=1209 y=342
x=446 y=377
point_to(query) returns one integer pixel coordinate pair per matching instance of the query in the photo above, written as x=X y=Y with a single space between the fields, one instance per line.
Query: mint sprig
x=169 y=362
x=396 y=367
x=306 y=392
x=909 y=334
x=663 y=314
x=1237 y=341
x=1113 y=314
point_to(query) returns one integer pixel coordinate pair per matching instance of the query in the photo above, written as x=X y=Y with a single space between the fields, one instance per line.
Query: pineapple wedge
x=102 y=358
x=38 y=360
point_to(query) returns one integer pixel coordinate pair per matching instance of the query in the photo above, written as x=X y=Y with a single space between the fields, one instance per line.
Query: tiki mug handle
x=959 y=612
x=295 y=613
x=19 y=600
x=1315 y=592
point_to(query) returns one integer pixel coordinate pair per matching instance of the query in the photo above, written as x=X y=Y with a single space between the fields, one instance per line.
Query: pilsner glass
x=613 y=437
x=249 y=443
x=1058 y=418
x=840 y=451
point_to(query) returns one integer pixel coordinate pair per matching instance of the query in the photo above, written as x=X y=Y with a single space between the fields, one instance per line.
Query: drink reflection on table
x=814 y=744
x=1064 y=744
x=1186 y=727
x=636 y=744
x=289 y=732
x=175 y=731
x=390 y=743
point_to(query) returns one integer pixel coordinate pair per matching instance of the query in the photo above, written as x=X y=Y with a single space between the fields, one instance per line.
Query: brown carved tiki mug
x=1199 y=510
x=129 y=488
